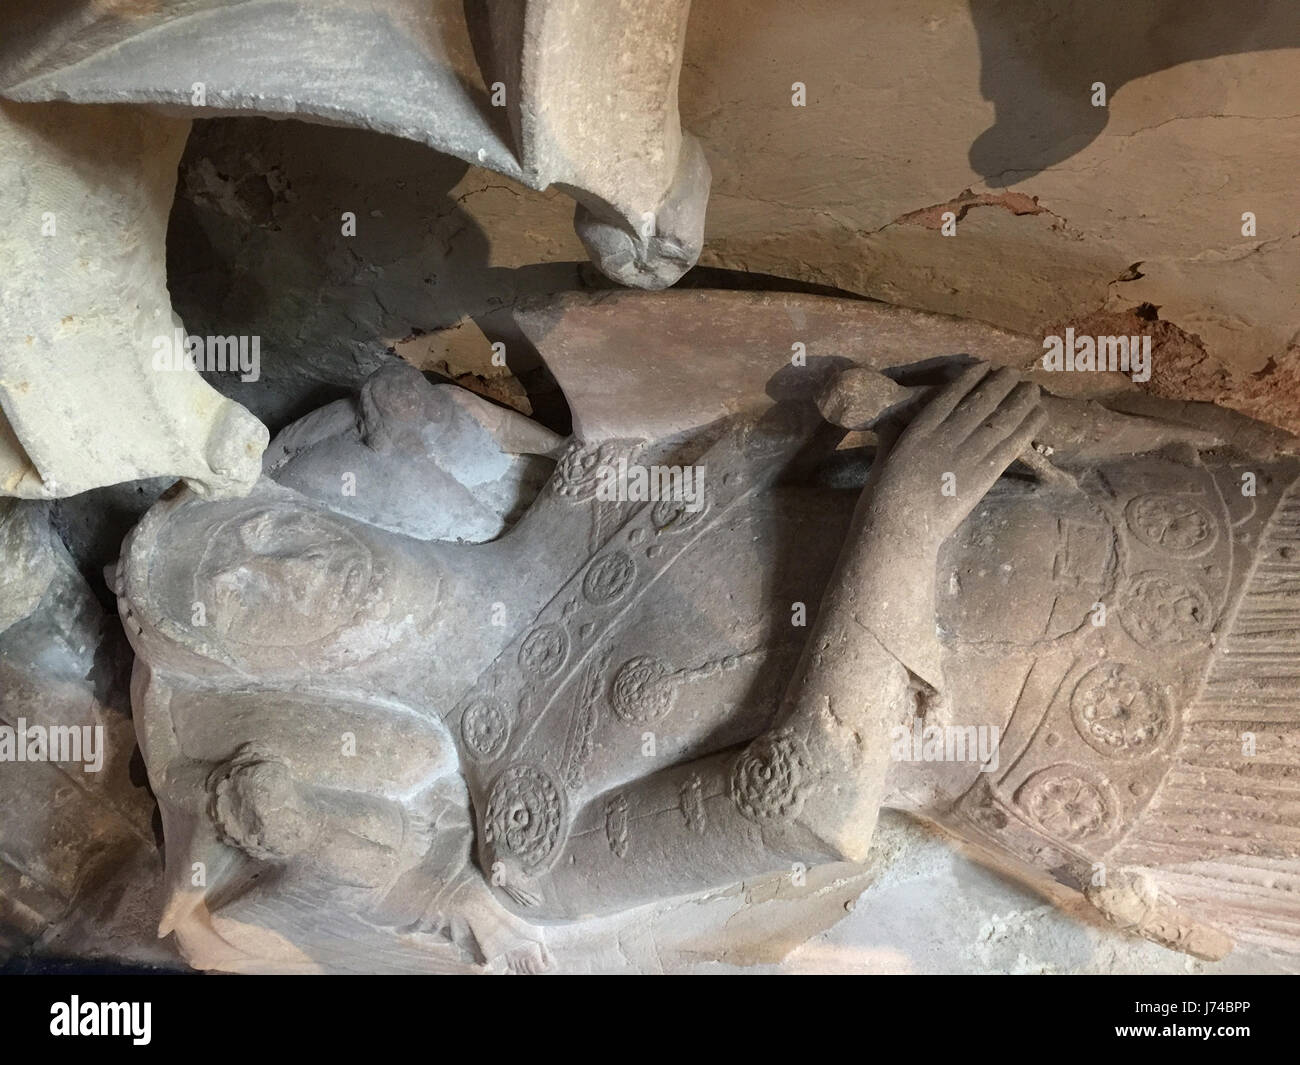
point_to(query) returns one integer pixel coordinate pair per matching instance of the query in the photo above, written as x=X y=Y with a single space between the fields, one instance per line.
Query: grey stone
x=582 y=95
x=624 y=701
x=432 y=461
x=75 y=821
x=82 y=402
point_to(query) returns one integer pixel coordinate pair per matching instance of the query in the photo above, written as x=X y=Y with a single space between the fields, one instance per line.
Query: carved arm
x=810 y=789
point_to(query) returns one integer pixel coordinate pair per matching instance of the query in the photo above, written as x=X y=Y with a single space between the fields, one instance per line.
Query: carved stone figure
x=580 y=94
x=1065 y=633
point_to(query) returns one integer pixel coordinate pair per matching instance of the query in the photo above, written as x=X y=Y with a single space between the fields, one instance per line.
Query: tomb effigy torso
x=617 y=684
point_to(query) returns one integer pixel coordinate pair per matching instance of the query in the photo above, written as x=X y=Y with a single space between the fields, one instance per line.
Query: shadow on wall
x=1040 y=60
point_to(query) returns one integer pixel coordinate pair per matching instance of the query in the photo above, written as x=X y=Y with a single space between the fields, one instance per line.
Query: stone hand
x=953 y=452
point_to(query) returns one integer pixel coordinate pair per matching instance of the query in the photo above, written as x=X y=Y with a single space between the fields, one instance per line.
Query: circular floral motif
x=608 y=578
x=673 y=515
x=523 y=816
x=1118 y=711
x=769 y=779
x=1171 y=523
x=1066 y=804
x=578 y=473
x=544 y=650
x=316 y=577
x=1160 y=610
x=485 y=727
x=642 y=691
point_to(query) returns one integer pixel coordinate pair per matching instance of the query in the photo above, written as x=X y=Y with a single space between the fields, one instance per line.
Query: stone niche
x=395 y=578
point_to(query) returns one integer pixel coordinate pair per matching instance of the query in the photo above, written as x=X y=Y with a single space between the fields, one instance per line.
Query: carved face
x=283 y=577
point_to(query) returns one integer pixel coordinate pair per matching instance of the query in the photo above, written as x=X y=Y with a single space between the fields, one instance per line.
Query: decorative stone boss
x=365 y=743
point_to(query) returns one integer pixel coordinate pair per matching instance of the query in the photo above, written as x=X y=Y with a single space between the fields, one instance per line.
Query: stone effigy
x=580 y=94
x=453 y=465
x=716 y=649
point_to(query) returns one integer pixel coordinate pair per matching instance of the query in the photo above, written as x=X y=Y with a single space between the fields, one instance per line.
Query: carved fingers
x=1017 y=410
x=530 y=960
x=956 y=448
x=982 y=405
x=1009 y=444
x=981 y=417
x=947 y=399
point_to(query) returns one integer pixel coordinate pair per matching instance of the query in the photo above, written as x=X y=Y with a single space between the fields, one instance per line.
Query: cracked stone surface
x=1144 y=210
x=1203 y=120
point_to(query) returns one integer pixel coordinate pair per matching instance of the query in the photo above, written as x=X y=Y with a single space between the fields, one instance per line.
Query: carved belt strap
x=525 y=808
